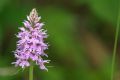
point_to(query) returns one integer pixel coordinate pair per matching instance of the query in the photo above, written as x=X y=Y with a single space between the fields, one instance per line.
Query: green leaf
x=106 y=9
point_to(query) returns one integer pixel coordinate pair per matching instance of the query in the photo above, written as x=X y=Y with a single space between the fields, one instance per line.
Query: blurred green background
x=81 y=38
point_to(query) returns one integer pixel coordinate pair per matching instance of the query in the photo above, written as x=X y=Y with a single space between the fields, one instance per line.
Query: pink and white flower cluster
x=31 y=45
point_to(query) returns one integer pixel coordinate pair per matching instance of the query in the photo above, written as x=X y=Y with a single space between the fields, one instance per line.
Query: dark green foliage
x=81 y=37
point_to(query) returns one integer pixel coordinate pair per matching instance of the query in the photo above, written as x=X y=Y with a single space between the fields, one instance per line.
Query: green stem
x=115 y=44
x=31 y=72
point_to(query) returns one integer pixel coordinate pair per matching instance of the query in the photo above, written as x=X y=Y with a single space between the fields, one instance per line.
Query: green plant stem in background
x=31 y=72
x=115 y=44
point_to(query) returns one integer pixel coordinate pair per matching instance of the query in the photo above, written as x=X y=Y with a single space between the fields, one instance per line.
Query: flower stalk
x=31 y=72
x=31 y=45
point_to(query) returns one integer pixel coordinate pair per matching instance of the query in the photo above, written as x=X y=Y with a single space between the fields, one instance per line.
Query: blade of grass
x=115 y=43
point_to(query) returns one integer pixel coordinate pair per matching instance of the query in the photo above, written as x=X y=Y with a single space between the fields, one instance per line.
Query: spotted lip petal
x=31 y=43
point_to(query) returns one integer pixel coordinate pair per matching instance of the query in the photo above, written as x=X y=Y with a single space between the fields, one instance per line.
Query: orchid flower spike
x=31 y=45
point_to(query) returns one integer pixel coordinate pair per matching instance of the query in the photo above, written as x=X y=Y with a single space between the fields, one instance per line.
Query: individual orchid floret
x=31 y=45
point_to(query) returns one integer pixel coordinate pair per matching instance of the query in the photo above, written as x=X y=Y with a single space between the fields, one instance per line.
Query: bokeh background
x=81 y=38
